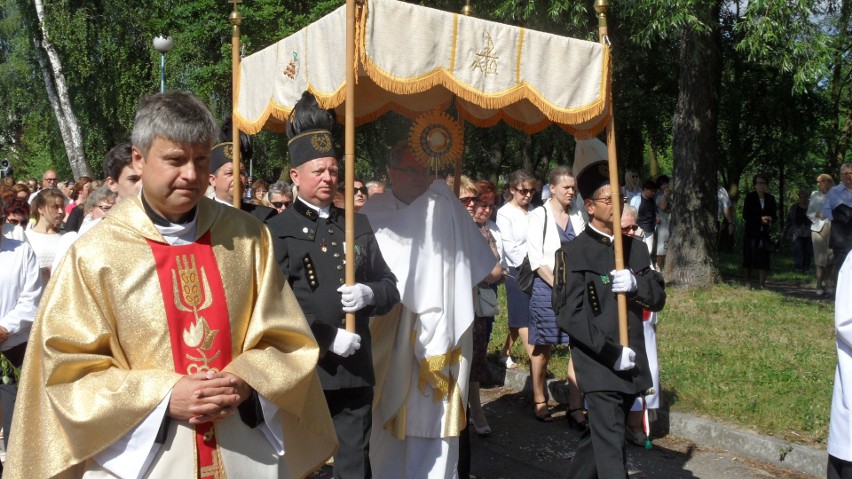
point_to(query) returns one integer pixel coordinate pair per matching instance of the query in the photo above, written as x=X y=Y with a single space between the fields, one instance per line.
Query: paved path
x=522 y=448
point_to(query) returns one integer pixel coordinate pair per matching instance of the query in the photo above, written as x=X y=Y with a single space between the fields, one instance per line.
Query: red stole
x=199 y=326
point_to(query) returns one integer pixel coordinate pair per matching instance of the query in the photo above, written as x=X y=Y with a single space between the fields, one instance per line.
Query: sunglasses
x=467 y=200
x=362 y=190
x=629 y=228
x=104 y=208
x=13 y=221
x=525 y=191
x=279 y=204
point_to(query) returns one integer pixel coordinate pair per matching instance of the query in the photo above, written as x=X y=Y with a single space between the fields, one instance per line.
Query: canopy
x=412 y=59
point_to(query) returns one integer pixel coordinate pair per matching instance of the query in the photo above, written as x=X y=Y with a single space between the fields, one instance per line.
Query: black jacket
x=310 y=253
x=263 y=213
x=587 y=310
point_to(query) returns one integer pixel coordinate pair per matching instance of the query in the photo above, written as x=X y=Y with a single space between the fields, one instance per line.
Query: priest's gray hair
x=175 y=116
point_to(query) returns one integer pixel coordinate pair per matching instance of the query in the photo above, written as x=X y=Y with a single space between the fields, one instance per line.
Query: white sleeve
x=131 y=456
x=19 y=320
x=514 y=250
x=271 y=427
x=535 y=240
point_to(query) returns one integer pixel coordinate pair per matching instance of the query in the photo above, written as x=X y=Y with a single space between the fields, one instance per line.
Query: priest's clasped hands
x=207 y=396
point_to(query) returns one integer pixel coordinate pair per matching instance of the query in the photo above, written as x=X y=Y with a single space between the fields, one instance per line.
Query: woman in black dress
x=759 y=212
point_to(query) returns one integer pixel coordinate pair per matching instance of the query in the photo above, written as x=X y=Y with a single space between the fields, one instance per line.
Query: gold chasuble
x=125 y=316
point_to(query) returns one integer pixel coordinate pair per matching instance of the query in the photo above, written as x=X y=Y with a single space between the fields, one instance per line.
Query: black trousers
x=352 y=413
x=838 y=468
x=601 y=452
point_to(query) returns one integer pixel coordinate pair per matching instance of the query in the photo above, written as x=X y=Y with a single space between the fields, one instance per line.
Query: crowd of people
x=209 y=340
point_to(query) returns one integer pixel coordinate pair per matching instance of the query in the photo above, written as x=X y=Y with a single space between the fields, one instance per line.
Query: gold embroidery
x=486 y=60
x=215 y=470
x=188 y=298
x=292 y=68
x=321 y=143
x=431 y=373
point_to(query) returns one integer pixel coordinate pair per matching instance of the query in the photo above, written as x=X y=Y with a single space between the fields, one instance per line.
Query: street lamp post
x=163 y=45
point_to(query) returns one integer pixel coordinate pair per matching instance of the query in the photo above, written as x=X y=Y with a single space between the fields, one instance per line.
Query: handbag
x=525 y=276
x=486 y=304
x=525 y=273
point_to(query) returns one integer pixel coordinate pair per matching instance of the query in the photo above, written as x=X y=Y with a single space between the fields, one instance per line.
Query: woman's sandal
x=576 y=424
x=546 y=417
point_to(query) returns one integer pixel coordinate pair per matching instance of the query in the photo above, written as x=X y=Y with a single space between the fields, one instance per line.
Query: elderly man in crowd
x=48 y=180
x=180 y=352
x=422 y=352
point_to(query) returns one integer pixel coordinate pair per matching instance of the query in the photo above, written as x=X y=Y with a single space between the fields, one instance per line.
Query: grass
x=757 y=359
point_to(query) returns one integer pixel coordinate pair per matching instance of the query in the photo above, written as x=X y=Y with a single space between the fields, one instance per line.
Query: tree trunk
x=692 y=260
x=60 y=100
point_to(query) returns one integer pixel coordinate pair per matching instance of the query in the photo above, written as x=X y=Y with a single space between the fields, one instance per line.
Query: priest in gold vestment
x=168 y=343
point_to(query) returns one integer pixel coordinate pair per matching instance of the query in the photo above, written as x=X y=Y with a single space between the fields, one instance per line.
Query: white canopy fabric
x=413 y=59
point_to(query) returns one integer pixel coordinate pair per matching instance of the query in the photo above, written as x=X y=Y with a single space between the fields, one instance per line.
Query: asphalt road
x=522 y=448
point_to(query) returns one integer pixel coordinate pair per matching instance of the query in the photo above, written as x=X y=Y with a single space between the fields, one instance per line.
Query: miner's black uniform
x=587 y=310
x=263 y=213
x=310 y=252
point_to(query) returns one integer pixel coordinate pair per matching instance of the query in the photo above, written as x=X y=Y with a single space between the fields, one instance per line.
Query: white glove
x=623 y=281
x=626 y=361
x=345 y=343
x=355 y=297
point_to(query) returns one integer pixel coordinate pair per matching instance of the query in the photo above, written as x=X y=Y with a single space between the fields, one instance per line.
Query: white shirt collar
x=611 y=237
x=217 y=200
x=321 y=212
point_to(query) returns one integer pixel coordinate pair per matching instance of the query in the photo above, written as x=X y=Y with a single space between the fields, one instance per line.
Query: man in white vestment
x=422 y=359
x=840 y=425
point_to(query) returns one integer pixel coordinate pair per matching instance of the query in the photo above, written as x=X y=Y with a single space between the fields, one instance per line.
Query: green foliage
x=773 y=106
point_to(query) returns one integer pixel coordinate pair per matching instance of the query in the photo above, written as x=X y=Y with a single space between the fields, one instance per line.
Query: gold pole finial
x=601 y=6
x=467 y=10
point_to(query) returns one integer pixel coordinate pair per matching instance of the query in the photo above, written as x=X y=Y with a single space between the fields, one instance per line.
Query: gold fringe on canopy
x=412 y=58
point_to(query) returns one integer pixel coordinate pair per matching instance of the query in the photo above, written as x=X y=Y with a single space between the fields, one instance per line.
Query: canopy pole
x=601 y=7
x=349 y=154
x=235 y=18
x=467 y=11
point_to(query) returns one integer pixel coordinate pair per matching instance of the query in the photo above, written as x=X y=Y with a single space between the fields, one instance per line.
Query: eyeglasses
x=105 y=208
x=525 y=191
x=279 y=204
x=483 y=205
x=50 y=179
x=467 y=200
x=362 y=190
x=262 y=192
x=607 y=200
x=629 y=228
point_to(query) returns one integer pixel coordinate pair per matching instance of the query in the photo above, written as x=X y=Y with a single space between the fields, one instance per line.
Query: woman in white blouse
x=560 y=220
x=513 y=223
x=820 y=229
x=49 y=211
